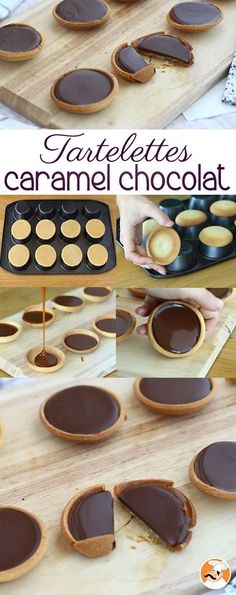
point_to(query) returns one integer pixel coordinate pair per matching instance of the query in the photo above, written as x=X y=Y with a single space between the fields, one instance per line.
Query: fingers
x=142 y=330
x=211 y=319
x=148 y=306
x=204 y=299
x=156 y=213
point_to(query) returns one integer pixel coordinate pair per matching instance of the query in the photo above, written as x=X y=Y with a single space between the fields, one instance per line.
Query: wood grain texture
x=48 y=280
x=26 y=88
x=99 y=363
x=41 y=473
x=137 y=356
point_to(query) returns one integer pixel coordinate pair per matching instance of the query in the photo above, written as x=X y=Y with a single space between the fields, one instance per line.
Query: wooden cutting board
x=100 y=362
x=41 y=473
x=25 y=87
x=136 y=355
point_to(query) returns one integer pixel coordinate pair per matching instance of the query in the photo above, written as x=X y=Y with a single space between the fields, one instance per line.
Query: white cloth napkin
x=7 y=7
x=210 y=104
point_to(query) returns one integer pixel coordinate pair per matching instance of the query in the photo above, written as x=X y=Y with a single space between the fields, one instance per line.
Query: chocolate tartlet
x=176 y=329
x=222 y=293
x=130 y=65
x=82 y=414
x=47 y=360
x=9 y=331
x=33 y=315
x=106 y=326
x=174 y=396
x=81 y=341
x=87 y=522
x=97 y=294
x=77 y=14
x=163 y=45
x=194 y=16
x=84 y=90
x=164 y=509
x=19 y=42
x=25 y=540
x=213 y=470
x=67 y=303
x=125 y=324
x=138 y=292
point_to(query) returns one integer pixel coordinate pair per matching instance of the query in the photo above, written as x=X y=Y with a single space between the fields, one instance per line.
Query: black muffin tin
x=58 y=211
x=193 y=255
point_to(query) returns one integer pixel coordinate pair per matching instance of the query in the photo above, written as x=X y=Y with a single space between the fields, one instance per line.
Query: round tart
x=87 y=522
x=33 y=315
x=190 y=217
x=194 y=16
x=97 y=294
x=67 y=303
x=223 y=208
x=81 y=341
x=77 y=14
x=95 y=229
x=138 y=292
x=176 y=329
x=19 y=256
x=97 y=255
x=213 y=470
x=19 y=42
x=106 y=326
x=71 y=256
x=215 y=241
x=125 y=324
x=83 y=413
x=174 y=396
x=163 y=245
x=9 y=331
x=25 y=541
x=222 y=293
x=130 y=65
x=50 y=360
x=45 y=256
x=21 y=230
x=70 y=229
x=164 y=509
x=45 y=230
x=166 y=46
x=85 y=90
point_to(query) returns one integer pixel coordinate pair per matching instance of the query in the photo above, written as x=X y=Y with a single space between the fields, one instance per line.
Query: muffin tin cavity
x=209 y=238
x=58 y=236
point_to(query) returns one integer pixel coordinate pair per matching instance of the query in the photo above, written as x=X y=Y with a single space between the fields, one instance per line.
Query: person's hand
x=134 y=210
x=208 y=304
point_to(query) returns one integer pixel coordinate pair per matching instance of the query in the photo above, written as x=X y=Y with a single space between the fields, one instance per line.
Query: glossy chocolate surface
x=122 y=324
x=82 y=410
x=176 y=328
x=97 y=291
x=195 y=13
x=82 y=87
x=92 y=515
x=36 y=316
x=215 y=465
x=161 y=509
x=80 y=342
x=220 y=292
x=175 y=391
x=167 y=46
x=18 y=38
x=7 y=330
x=45 y=359
x=107 y=324
x=71 y=301
x=20 y=537
x=81 y=11
x=129 y=60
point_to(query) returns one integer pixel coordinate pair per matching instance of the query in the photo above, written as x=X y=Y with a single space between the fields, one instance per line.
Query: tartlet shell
x=22 y=56
x=129 y=331
x=100 y=331
x=90 y=107
x=137 y=41
x=142 y=76
x=207 y=489
x=177 y=409
x=195 y=28
x=38 y=307
x=11 y=337
x=82 y=331
x=30 y=357
x=82 y=25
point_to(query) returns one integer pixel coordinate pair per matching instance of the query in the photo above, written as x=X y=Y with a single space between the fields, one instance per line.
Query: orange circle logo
x=215 y=574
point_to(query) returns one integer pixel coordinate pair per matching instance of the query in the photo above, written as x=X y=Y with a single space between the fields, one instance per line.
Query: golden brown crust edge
x=96 y=298
x=94 y=546
x=91 y=107
x=82 y=26
x=142 y=76
x=193 y=28
x=168 y=409
x=101 y=332
x=23 y=56
x=207 y=489
x=130 y=330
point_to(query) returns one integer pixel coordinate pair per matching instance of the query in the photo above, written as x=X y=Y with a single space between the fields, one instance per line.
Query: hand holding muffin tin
x=194 y=254
x=57 y=237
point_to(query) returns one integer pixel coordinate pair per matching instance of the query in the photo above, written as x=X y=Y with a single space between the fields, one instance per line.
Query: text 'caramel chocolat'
x=165 y=46
x=164 y=509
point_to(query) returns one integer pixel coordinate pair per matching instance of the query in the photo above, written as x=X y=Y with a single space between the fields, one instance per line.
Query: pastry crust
x=97 y=298
x=171 y=409
x=22 y=56
x=141 y=76
x=85 y=437
x=90 y=107
x=102 y=332
x=215 y=235
x=38 y=308
x=136 y=43
x=169 y=353
x=81 y=331
x=91 y=547
x=63 y=308
x=169 y=485
x=170 y=248
x=21 y=569
x=11 y=337
x=195 y=28
x=190 y=217
x=138 y=292
x=83 y=25
x=223 y=208
x=207 y=489
x=31 y=355
x=131 y=318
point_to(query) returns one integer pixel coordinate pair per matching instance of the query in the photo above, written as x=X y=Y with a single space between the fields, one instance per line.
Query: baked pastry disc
x=163 y=245
x=104 y=326
x=96 y=294
x=166 y=408
x=90 y=341
x=21 y=55
x=127 y=326
x=141 y=75
x=228 y=460
x=14 y=335
x=98 y=544
x=37 y=541
x=91 y=23
x=38 y=308
x=90 y=106
x=31 y=355
x=194 y=16
x=66 y=304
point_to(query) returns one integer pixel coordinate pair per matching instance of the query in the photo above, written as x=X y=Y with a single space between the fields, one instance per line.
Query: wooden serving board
x=25 y=87
x=41 y=473
x=100 y=362
x=136 y=355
